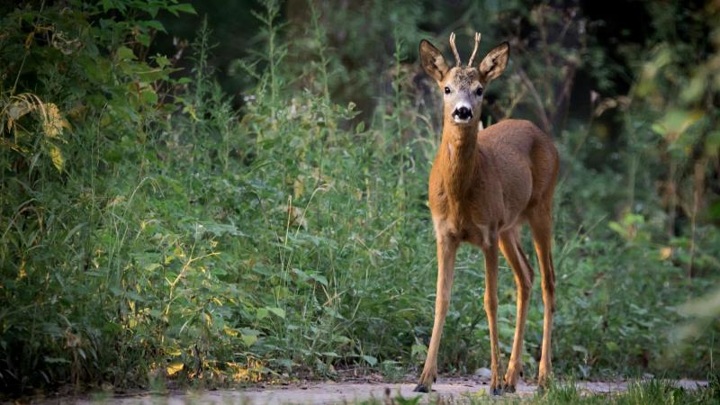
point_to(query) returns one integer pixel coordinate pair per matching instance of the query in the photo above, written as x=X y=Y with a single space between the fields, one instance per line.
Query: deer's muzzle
x=462 y=114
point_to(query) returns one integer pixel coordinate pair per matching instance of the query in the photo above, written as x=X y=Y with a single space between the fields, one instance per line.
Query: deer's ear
x=432 y=61
x=495 y=62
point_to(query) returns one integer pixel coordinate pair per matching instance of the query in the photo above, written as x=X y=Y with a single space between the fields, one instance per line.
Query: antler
x=477 y=42
x=454 y=49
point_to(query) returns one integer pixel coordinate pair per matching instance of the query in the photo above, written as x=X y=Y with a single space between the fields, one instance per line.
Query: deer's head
x=463 y=86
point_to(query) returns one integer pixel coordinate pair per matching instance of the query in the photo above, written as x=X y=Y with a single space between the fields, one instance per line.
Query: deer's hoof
x=421 y=388
x=510 y=389
x=497 y=391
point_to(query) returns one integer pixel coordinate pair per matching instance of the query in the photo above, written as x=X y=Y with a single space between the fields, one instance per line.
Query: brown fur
x=483 y=186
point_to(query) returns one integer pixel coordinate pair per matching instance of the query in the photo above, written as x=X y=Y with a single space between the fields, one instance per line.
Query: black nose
x=462 y=113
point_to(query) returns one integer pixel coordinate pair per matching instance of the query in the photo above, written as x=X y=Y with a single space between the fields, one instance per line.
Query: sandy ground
x=453 y=391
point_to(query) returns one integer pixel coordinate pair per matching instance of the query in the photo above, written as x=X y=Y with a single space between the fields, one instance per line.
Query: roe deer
x=484 y=184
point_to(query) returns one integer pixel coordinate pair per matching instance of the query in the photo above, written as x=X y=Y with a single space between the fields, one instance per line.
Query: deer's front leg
x=446 y=249
x=491 y=304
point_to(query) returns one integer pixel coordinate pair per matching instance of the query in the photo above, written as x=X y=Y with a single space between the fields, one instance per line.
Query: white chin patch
x=459 y=120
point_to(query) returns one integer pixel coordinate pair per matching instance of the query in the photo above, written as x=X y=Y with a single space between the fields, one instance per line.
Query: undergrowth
x=637 y=393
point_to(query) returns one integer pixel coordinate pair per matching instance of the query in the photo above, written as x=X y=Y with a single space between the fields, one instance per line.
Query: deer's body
x=478 y=180
x=484 y=185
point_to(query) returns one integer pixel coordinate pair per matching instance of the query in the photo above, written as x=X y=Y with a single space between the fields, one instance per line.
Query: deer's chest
x=467 y=218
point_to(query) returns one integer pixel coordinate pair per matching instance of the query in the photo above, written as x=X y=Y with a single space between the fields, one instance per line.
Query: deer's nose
x=462 y=113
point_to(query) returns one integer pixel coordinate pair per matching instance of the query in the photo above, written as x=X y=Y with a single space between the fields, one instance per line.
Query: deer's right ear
x=432 y=61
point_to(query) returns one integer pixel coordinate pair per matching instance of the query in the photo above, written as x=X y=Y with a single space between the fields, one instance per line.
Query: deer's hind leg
x=541 y=223
x=490 y=251
x=523 y=273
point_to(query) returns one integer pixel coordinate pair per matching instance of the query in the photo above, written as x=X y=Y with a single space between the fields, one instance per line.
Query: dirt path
x=334 y=393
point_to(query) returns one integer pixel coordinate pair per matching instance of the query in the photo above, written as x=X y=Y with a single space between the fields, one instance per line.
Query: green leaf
x=153 y=11
x=124 y=53
x=217 y=229
x=154 y=24
x=695 y=89
x=116 y=291
x=149 y=96
x=580 y=349
x=320 y=279
x=277 y=311
x=249 y=340
x=418 y=349
x=56 y=360
x=107 y=5
x=612 y=346
x=152 y=267
x=619 y=229
x=162 y=61
x=134 y=296
x=341 y=340
x=370 y=360
x=249 y=336
x=250 y=331
x=144 y=38
x=302 y=276
x=182 y=8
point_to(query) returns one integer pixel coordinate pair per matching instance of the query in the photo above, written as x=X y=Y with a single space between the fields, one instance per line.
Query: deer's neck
x=458 y=157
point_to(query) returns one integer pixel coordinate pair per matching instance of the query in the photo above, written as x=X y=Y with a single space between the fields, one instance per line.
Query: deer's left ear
x=495 y=62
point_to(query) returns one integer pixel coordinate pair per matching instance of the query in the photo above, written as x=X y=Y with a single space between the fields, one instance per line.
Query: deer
x=485 y=184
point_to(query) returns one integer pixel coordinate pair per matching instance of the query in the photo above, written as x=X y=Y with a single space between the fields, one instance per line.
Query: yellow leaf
x=675 y=122
x=57 y=158
x=178 y=252
x=174 y=368
x=53 y=122
x=230 y=332
x=22 y=273
x=189 y=109
x=666 y=252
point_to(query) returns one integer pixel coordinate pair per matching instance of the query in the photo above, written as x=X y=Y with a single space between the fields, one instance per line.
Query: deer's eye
x=479 y=91
x=447 y=90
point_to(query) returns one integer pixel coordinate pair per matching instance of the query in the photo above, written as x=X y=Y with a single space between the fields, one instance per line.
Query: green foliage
x=77 y=94
x=640 y=392
x=645 y=392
